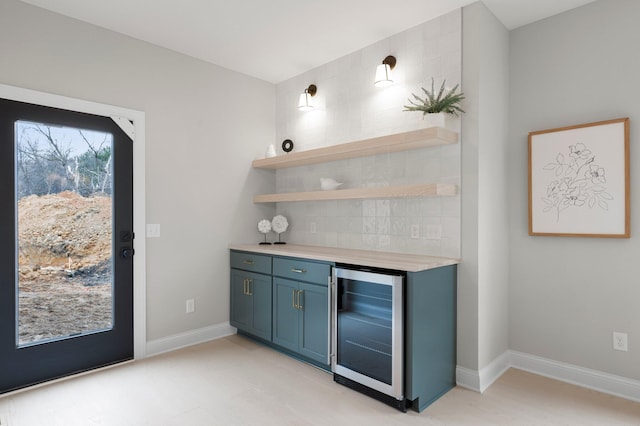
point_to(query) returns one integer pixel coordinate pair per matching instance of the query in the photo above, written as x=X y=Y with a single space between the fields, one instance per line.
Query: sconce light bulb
x=304 y=102
x=383 y=76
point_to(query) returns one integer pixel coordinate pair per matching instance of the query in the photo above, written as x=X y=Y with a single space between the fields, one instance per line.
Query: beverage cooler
x=367 y=332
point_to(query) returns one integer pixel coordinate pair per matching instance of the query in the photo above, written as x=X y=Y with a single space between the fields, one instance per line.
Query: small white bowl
x=328 y=184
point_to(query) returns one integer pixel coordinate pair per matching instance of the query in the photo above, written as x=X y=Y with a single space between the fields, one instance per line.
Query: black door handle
x=127 y=252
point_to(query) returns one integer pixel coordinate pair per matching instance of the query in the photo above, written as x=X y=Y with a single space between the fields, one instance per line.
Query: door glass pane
x=64 y=231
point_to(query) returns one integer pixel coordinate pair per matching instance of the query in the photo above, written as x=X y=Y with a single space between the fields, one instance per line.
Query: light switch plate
x=190 y=306
x=415 y=231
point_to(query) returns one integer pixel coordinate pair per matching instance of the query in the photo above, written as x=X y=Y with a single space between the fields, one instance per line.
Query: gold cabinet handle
x=298 y=271
x=295 y=299
x=246 y=289
x=247 y=262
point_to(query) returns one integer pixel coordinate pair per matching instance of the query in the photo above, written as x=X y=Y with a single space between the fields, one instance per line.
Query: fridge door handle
x=333 y=320
x=329 y=310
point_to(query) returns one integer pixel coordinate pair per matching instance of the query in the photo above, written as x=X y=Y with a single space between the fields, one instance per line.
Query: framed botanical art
x=579 y=180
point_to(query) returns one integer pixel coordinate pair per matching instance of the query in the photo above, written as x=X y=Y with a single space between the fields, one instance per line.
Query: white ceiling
x=277 y=39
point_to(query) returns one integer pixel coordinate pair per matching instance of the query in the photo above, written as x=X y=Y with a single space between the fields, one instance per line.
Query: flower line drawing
x=577 y=182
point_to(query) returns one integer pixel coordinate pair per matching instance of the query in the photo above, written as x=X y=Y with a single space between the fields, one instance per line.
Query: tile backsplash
x=378 y=224
x=350 y=108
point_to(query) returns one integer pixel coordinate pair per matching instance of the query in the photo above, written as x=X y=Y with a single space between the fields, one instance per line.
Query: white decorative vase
x=271 y=151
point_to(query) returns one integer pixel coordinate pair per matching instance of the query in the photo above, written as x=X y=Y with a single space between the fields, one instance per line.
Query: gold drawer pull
x=248 y=262
x=298 y=271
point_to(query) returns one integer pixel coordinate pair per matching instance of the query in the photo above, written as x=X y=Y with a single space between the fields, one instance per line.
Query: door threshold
x=65 y=378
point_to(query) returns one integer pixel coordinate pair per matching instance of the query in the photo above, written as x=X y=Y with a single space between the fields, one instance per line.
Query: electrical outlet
x=153 y=230
x=620 y=342
x=415 y=231
x=312 y=227
x=434 y=232
x=191 y=306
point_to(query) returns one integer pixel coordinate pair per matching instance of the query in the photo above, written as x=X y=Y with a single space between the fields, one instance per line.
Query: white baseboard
x=591 y=379
x=494 y=370
x=468 y=378
x=189 y=338
x=480 y=381
x=579 y=376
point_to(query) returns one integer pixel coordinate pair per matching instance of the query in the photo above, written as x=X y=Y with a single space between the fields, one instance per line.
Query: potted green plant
x=445 y=101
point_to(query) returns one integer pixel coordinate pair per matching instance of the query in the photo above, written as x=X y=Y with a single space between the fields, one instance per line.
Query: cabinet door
x=241 y=303
x=285 y=313
x=260 y=290
x=251 y=303
x=314 y=322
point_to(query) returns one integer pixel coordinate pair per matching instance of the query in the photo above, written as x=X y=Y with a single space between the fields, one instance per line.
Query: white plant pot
x=437 y=119
x=441 y=119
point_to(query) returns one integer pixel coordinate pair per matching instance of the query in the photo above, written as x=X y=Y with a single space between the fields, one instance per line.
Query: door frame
x=139 y=205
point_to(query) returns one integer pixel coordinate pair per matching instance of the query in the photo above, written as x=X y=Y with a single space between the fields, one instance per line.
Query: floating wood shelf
x=424 y=190
x=416 y=139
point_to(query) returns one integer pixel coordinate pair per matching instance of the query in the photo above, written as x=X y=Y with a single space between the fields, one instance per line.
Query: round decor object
x=287 y=145
x=279 y=224
x=264 y=226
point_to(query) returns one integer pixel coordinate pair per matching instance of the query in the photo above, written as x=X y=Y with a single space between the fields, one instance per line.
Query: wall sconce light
x=304 y=103
x=383 y=72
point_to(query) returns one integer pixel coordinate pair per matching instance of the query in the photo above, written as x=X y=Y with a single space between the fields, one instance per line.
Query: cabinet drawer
x=301 y=270
x=251 y=262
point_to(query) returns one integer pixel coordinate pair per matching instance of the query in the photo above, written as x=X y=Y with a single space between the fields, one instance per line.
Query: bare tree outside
x=63 y=193
x=53 y=159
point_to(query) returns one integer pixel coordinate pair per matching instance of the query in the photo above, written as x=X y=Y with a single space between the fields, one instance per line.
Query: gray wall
x=482 y=276
x=201 y=136
x=567 y=295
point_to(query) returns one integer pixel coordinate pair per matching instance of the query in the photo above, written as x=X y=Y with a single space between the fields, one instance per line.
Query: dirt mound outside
x=64 y=230
x=65 y=280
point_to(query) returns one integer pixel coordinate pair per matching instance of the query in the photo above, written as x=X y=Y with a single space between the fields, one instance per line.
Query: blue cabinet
x=313 y=337
x=284 y=301
x=430 y=335
x=251 y=304
x=301 y=307
x=301 y=318
x=285 y=313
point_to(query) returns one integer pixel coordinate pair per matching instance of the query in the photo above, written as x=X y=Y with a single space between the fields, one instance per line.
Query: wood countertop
x=398 y=261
